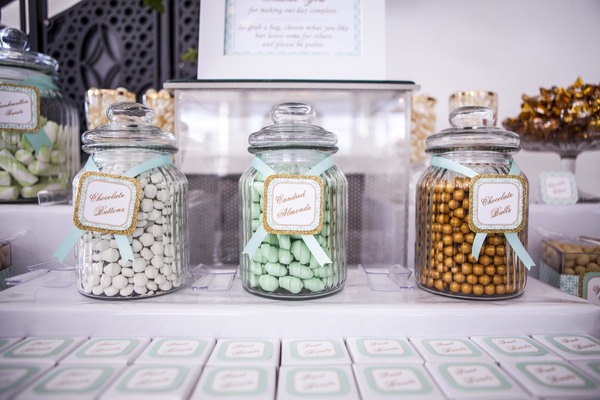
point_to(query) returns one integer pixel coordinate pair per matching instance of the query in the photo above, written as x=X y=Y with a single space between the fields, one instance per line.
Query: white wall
x=511 y=47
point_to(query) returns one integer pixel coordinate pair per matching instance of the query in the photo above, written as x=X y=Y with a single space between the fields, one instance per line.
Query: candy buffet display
x=38 y=128
x=130 y=209
x=294 y=202
x=471 y=211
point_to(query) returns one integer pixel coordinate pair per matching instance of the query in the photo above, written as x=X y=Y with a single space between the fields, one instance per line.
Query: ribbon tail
x=477 y=243
x=442 y=162
x=316 y=250
x=124 y=247
x=520 y=251
x=255 y=241
x=514 y=169
x=38 y=140
x=67 y=243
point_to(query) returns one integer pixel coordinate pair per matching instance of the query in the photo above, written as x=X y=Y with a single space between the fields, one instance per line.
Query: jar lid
x=473 y=129
x=293 y=128
x=129 y=127
x=14 y=51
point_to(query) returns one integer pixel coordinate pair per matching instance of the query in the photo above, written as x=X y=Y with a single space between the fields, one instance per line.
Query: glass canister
x=131 y=209
x=471 y=211
x=39 y=129
x=294 y=209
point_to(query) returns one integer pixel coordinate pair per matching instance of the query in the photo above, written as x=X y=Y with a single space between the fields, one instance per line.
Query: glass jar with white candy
x=38 y=128
x=294 y=209
x=131 y=208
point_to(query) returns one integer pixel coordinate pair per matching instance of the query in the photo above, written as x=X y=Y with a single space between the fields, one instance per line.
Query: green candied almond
x=256 y=268
x=253 y=280
x=268 y=283
x=291 y=284
x=9 y=192
x=269 y=252
x=300 y=271
x=275 y=269
x=255 y=210
x=44 y=154
x=18 y=171
x=258 y=257
x=313 y=262
x=313 y=284
x=30 y=192
x=300 y=251
x=25 y=157
x=255 y=224
x=284 y=241
x=285 y=257
x=325 y=231
x=258 y=191
x=323 y=272
x=330 y=281
x=4 y=178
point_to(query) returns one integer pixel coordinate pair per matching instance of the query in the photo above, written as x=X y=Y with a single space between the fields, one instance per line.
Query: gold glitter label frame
x=520 y=185
x=132 y=209
x=311 y=227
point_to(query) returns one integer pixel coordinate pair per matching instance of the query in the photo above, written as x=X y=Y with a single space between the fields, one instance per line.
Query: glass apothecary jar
x=131 y=209
x=293 y=209
x=39 y=129
x=471 y=211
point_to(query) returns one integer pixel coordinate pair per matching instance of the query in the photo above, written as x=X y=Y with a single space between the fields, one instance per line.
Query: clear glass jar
x=445 y=235
x=128 y=146
x=285 y=263
x=39 y=129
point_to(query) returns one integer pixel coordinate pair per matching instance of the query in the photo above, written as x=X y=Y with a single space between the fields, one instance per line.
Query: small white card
x=497 y=203
x=292 y=40
x=154 y=382
x=572 y=346
x=236 y=383
x=331 y=382
x=294 y=204
x=41 y=349
x=177 y=350
x=558 y=187
x=5 y=343
x=591 y=367
x=591 y=287
x=448 y=349
x=314 y=352
x=19 y=108
x=245 y=352
x=553 y=379
x=475 y=380
x=15 y=377
x=398 y=381
x=513 y=348
x=382 y=351
x=72 y=382
x=107 y=203
x=108 y=350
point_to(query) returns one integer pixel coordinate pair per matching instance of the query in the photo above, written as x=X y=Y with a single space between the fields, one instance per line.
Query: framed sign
x=558 y=187
x=292 y=39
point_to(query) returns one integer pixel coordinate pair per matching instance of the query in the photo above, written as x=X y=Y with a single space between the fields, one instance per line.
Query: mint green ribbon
x=310 y=241
x=122 y=241
x=39 y=139
x=511 y=237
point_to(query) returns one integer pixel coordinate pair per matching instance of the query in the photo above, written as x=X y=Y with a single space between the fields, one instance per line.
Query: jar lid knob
x=293 y=113
x=472 y=117
x=130 y=112
x=13 y=38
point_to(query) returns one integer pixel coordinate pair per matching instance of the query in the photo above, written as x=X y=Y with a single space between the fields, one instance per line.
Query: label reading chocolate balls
x=293 y=204
x=107 y=203
x=19 y=108
x=497 y=203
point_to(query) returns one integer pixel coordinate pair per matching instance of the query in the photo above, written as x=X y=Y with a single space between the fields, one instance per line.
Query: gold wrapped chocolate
x=559 y=115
